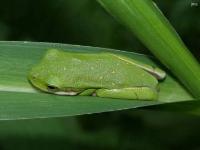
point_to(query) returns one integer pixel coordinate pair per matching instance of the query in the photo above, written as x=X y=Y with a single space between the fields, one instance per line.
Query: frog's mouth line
x=50 y=89
x=70 y=93
x=66 y=91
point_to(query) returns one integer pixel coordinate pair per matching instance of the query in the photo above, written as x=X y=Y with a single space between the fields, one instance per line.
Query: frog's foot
x=137 y=93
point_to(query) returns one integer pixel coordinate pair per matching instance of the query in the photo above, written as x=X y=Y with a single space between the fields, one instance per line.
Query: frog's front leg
x=137 y=93
x=87 y=92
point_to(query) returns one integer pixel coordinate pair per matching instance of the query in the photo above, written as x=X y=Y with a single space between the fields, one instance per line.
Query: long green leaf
x=19 y=100
x=148 y=23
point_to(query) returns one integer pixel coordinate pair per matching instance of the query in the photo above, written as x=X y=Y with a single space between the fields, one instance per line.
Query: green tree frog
x=102 y=74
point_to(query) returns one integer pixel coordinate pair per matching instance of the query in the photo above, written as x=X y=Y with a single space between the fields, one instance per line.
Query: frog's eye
x=52 y=88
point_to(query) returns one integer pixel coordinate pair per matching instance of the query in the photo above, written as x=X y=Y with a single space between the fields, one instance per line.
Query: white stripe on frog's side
x=158 y=73
x=66 y=93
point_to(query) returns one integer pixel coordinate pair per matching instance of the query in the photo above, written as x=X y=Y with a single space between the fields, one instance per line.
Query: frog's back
x=98 y=70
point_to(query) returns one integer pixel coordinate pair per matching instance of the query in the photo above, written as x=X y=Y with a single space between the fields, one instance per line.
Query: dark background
x=84 y=22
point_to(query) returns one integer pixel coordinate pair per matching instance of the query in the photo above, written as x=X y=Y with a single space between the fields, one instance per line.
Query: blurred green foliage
x=76 y=22
x=84 y=22
x=124 y=130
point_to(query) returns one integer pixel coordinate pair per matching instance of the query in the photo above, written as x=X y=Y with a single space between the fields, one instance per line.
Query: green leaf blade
x=148 y=23
x=19 y=100
x=39 y=105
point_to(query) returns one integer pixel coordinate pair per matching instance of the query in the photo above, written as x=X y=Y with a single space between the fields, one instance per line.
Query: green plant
x=23 y=101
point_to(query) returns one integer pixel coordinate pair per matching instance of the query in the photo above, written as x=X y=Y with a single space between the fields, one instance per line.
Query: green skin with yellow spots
x=100 y=74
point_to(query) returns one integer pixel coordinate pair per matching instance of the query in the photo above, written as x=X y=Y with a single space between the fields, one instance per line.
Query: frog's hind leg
x=137 y=93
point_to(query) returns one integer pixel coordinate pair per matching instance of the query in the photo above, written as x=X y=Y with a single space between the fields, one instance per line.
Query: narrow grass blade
x=148 y=23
